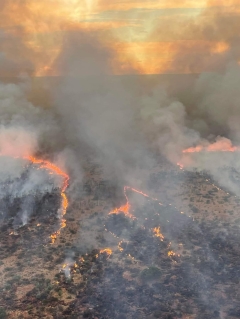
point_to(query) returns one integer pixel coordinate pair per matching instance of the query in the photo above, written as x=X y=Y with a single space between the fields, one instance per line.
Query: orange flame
x=171 y=253
x=215 y=147
x=107 y=251
x=53 y=169
x=125 y=208
x=157 y=233
x=221 y=144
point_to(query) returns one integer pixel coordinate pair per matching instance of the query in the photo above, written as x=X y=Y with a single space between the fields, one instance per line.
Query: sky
x=142 y=36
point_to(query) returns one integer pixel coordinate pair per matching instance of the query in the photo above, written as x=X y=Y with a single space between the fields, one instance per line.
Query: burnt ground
x=191 y=270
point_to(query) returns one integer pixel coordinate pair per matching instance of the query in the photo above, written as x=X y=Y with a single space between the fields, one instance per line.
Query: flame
x=171 y=253
x=125 y=208
x=140 y=192
x=107 y=251
x=221 y=144
x=52 y=169
x=157 y=233
x=119 y=246
x=215 y=147
x=66 y=268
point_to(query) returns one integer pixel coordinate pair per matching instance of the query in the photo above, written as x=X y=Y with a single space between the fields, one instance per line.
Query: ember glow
x=67 y=266
x=171 y=253
x=107 y=251
x=119 y=246
x=157 y=233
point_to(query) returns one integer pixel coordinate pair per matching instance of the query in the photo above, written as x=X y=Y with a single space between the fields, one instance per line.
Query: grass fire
x=119 y=159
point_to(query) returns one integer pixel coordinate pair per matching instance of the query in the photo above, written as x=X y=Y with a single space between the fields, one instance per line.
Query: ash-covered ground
x=176 y=256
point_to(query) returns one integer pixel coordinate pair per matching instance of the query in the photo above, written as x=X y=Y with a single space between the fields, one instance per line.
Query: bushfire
x=215 y=147
x=222 y=145
x=126 y=208
x=157 y=233
x=51 y=168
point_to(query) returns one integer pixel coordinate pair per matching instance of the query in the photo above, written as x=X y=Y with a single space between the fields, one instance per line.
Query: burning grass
x=161 y=264
x=12 y=205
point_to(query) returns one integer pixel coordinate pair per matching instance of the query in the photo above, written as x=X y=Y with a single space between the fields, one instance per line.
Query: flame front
x=221 y=144
x=126 y=208
x=218 y=146
x=53 y=169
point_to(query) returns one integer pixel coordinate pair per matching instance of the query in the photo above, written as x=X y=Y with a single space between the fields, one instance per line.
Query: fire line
x=52 y=169
x=49 y=166
x=126 y=208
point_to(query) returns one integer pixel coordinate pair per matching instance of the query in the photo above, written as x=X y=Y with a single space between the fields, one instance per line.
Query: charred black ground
x=28 y=209
x=192 y=271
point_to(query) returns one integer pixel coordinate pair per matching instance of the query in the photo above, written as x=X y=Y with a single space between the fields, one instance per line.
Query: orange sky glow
x=144 y=36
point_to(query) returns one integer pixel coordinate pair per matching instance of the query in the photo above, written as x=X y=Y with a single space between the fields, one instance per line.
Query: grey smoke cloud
x=122 y=123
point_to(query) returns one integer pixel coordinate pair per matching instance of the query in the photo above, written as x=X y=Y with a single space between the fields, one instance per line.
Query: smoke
x=25 y=130
x=118 y=122
x=101 y=112
x=121 y=123
x=68 y=264
x=203 y=42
